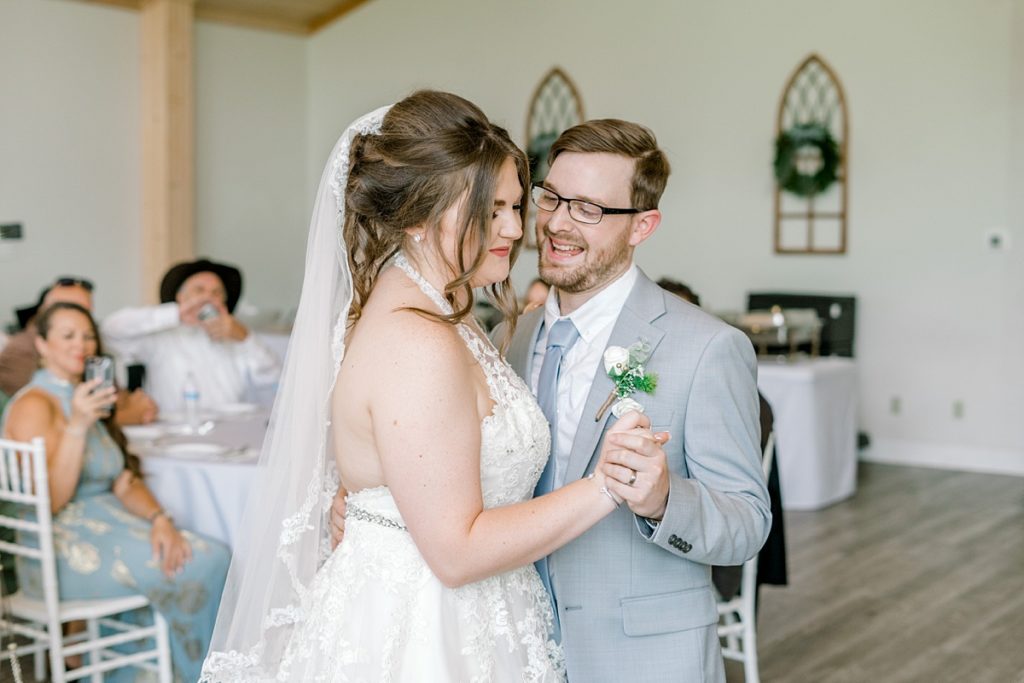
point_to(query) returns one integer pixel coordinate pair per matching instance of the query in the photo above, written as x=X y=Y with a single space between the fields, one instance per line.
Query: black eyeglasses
x=580 y=210
x=73 y=282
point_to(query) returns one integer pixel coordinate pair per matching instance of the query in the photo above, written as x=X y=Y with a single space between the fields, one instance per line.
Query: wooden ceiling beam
x=338 y=12
x=258 y=15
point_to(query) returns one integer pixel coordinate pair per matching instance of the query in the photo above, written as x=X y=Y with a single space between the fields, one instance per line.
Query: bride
x=436 y=437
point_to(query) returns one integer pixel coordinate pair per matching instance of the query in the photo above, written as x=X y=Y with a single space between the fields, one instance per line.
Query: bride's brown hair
x=432 y=148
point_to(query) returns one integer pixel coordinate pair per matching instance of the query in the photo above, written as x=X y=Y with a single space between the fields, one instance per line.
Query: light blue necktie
x=562 y=336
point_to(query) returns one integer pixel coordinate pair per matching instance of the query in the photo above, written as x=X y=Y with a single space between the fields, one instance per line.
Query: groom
x=633 y=595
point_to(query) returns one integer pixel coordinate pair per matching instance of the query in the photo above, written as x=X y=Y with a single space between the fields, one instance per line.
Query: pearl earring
x=417 y=238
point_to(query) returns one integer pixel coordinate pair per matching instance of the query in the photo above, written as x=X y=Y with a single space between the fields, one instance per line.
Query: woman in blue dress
x=111 y=536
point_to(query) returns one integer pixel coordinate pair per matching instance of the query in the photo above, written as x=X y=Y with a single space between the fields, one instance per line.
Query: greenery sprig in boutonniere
x=626 y=369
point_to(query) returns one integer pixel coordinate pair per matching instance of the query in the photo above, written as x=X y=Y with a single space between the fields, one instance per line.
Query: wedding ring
x=632 y=479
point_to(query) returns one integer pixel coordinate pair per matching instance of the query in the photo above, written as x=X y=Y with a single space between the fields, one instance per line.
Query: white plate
x=236 y=408
x=142 y=432
x=196 y=449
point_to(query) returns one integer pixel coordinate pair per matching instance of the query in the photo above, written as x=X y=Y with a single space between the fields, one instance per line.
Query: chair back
x=748 y=585
x=24 y=486
x=768 y=455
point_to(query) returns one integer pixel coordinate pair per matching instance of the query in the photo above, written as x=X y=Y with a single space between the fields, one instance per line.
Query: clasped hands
x=634 y=463
x=632 y=460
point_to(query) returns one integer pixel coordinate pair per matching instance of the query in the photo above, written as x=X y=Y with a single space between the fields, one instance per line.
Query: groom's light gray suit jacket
x=636 y=605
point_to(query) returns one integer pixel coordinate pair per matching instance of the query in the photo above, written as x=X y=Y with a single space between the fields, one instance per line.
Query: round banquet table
x=203 y=480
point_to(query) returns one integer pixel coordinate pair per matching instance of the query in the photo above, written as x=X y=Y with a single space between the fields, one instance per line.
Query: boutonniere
x=626 y=369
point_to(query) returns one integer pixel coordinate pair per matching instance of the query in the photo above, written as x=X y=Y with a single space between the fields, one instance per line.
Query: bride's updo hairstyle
x=432 y=148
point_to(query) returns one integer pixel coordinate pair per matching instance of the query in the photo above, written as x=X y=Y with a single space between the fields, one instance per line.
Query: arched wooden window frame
x=812 y=214
x=533 y=122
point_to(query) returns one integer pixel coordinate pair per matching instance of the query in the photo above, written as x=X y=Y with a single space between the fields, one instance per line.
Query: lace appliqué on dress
x=377 y=613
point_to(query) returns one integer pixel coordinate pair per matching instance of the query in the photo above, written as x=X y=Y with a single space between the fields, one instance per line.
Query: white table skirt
x=205 y=497
x=206 y=493
x=815 y=406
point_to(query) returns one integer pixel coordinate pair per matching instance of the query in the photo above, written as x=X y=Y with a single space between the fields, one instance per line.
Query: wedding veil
x=284 y=537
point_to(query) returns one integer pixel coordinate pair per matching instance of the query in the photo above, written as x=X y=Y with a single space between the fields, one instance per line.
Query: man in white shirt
x=633 y=596
x=193 y=332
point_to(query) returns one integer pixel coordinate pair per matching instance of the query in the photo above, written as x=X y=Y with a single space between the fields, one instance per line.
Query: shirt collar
x=599 y=311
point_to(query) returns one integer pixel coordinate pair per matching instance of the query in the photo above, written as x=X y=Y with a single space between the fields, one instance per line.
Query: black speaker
x=836 y=313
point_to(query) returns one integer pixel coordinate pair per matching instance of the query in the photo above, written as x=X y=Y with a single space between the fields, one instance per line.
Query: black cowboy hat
x=230 y=276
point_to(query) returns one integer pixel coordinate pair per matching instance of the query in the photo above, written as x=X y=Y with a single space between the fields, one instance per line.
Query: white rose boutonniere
x=626 y=369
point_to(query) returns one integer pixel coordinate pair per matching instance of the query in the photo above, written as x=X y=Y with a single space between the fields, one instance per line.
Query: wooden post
x=168 y=139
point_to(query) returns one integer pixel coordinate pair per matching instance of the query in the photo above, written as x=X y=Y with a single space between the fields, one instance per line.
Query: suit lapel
x=520 y=351
x=645 y=304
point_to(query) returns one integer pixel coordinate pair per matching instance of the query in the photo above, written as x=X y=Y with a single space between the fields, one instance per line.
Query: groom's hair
x=615 y=136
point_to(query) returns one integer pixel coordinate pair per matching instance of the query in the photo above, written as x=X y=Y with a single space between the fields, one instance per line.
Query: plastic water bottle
x=191 y=396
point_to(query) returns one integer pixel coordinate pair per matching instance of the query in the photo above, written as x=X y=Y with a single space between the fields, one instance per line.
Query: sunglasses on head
x=73 y=282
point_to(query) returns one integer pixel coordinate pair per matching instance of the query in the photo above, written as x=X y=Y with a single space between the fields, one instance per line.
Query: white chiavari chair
x=738 y=616
x=24 y=484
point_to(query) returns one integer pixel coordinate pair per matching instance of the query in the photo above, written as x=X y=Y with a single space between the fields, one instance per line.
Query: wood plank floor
x=919 y=577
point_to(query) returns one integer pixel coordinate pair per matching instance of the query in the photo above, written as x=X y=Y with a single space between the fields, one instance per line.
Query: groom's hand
x=338 y=517
x=637 y=471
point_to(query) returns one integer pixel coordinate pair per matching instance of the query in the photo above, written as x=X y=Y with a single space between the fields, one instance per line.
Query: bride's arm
x=426 y=426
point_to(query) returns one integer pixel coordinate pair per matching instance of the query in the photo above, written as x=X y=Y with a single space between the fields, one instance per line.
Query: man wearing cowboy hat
x=193 y=332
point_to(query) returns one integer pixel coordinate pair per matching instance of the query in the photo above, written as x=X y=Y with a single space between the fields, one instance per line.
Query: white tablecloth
x=276 y=341
x=206 y=493
x=815 y=406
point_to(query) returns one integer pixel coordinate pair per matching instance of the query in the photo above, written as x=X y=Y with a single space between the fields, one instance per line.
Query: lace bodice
x=515 y=439
x=496 y=629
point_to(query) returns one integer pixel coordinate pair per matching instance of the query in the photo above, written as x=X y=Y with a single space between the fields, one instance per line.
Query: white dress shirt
x=223 y=370
x=594 y=321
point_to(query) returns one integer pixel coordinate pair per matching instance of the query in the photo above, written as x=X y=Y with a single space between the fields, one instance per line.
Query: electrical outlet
x=958 y=410
x=895 y=405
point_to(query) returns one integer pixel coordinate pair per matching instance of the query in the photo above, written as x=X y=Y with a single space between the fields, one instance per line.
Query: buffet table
x=815 y=405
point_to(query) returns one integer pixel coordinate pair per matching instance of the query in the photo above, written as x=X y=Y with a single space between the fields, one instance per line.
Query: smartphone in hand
x=103 y=368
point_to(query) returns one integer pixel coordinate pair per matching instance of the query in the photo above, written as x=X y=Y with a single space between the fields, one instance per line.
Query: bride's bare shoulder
x=390 y=328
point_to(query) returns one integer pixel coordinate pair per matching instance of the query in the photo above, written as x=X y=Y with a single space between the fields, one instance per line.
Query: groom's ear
x=644 y=225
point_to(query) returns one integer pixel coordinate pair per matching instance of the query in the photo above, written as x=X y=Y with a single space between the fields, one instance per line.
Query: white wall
x=936 y=95
x=252 y=200
x=69 y=148
x=71 y=155
x=935 y=101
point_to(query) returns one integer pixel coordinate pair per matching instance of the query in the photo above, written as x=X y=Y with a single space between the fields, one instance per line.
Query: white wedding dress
x=375 y=612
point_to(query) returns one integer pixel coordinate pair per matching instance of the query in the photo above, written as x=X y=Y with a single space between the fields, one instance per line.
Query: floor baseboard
x=957 y=457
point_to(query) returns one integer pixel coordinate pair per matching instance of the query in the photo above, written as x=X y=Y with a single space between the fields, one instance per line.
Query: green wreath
x=789 y=177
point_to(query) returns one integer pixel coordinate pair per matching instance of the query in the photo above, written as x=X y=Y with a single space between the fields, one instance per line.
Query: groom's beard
x=596 y=269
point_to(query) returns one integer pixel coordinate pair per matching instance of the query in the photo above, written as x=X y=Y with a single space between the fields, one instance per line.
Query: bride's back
x=375 y=348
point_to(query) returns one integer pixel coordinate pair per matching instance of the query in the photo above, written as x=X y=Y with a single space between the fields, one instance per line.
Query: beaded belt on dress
x=359 y=513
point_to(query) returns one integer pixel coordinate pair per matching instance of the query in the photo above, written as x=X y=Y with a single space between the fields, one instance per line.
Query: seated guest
x=111 y=536
x=536 y=295
x=193 y=332
x=681 y=290
x=771 y=562
x=19 y=359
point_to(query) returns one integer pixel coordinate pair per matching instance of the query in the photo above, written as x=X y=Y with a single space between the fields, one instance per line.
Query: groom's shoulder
x=680 y=316
x=525 y=326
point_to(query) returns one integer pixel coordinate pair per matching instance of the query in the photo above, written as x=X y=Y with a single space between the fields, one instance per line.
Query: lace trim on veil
x=233 y=664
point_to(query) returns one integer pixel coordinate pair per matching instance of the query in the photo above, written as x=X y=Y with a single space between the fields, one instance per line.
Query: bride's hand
x=338 y=517
x=636 y=465
x=633 y=422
